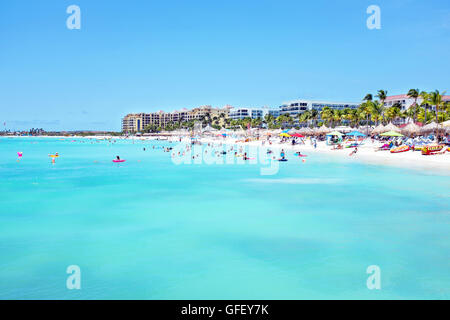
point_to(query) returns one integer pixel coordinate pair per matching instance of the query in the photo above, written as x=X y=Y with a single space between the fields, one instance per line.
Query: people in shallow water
x=354 y=151
x=245 y=156
x=282 y=154
x=117 y=158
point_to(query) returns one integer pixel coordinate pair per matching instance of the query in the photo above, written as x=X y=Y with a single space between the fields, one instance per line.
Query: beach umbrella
x=284 y=134
x=297 y=135
x=411 y=128
x=323 y=129
x=391 y=127
x=378 y=129
x=391 y=134
x=335 y=133
x=355 y=134
x=343 y=129
x=306 y=130
x=429 y=127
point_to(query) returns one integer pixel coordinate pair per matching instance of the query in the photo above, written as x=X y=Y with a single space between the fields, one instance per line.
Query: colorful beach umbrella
x=335 y=133
x=284 y=134
x=391 y=134
x=297 y=135
x=355 y=134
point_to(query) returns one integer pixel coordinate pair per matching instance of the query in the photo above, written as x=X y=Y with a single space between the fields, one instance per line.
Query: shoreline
x=366 y=153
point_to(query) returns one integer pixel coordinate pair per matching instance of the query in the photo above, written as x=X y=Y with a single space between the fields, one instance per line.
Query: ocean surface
x=150 y=228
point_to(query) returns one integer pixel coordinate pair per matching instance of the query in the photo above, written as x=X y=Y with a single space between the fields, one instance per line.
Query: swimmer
x=282 y=154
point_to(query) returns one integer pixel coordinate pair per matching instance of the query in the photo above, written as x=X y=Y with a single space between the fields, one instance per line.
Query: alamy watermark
x=74 y=20
x=374 y=280
x=74 y=280
x=374 y=20
x=228 y=154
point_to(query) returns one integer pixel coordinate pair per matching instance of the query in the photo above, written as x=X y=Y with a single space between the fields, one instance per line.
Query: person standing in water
x=282 y=155
x=354 y=151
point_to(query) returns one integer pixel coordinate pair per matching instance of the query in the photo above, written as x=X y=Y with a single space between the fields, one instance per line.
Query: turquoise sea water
x=151 y=229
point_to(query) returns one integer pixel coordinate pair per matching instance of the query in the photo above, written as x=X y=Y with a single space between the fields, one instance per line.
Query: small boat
x=429 y=150
x=400 y=149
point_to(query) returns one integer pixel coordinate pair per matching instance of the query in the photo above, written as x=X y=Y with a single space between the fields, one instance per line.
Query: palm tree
x=285 y=118
x=424 y=96
x=435 y=99
x=304 y=117
x=364 y=110
x=269 y=119
x=377 y=110
x=337 y=115
x=256 y=123
x=414 y=93
x=326 y=114
x=382 y=95
x=394 y=112
x=314 y=116
x=410 y=113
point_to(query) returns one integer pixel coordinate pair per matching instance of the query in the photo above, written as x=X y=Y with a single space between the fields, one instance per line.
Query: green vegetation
x=370 y=112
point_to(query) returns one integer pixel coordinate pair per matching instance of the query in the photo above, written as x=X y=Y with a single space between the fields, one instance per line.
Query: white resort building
x=295 y=107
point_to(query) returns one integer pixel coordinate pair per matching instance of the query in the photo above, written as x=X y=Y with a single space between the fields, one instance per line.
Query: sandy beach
x=366 y=153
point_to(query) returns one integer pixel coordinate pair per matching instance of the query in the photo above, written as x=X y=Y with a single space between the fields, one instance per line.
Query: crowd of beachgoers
x=387 y=145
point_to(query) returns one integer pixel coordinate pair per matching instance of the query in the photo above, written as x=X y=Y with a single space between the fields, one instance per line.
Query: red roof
x=420 y=124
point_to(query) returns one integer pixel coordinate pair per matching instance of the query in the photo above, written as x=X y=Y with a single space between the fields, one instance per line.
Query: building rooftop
x=405 y=96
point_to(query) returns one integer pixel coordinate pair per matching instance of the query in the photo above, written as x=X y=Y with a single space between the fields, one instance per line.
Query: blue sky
x=142 y=56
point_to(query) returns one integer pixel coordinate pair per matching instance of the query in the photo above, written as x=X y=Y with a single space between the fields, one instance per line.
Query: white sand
x=439 y=163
